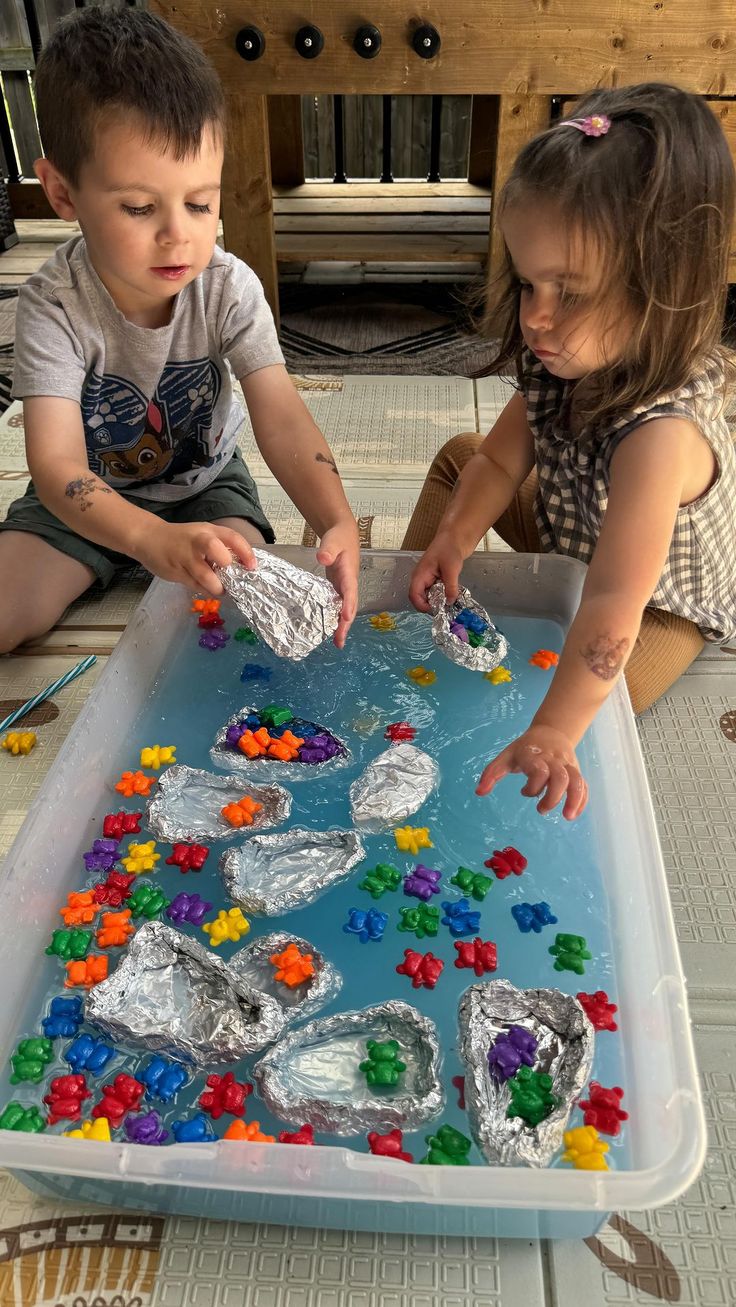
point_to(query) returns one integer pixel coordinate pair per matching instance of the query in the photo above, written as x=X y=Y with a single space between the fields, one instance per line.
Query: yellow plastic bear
x=19 y=742
x=585 y=1149
x=228 y=925
x=382 y=622
x=141 y=857
x=410 y=839
x=421 y=676
x=99 y=1129
x=498 y=676
x=158 y=756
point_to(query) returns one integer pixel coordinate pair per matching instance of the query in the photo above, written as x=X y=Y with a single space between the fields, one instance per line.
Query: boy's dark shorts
x=233 y=493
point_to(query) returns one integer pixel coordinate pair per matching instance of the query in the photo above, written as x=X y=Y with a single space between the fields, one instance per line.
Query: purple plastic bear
x=102 y=856
x=213 y=639
x=422 y=882
x=511 y=1049
x=318 y=749
x=188 y=907
x=146 y=1129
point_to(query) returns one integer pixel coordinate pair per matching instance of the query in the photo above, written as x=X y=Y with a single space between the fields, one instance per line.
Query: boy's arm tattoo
x=321 y=458
x=605 y=656
x=82 y=490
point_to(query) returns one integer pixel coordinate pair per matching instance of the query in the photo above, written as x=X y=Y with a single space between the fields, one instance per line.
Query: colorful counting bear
x=531 y=1096
x=506 y=862
x=366 y=925
x=115 y=930
x=273 y=714
x=570 y=952
x=410 y=839
x=135 y=782
x=380 y=880
x=499 y=676
x=188 y=907
x=208 y=621
x=65 y=1097
x=511 y=1049
x=88 y=1054
x=213 y=640
x=544 y=658
x=254 y=744
x=81 y=908
x=422 y=882
x=163 y=1079
x=460 y=918
x=158 y=755
x=122 y=1096
x=230 y=925
x=102 y=856
x=147 y=901
x=479 y=954
x=64 y=1018
x=19 y=742
x=421 y=921
x=533 y=916
x=584 y=1149
x=421 y=676
x=423 y=969
x=304 y=1135
x=241 y=812
x=114 y=891
x=188 y=857
x=598 y=1009
x=67 y=944
x=603 y=1109
x=145 y=1129
x=382 y=622
x=388 y=1145
x=117 y=824
x=383 y=1068
x=30 y=1060
x=141 y=857
x=473 y=883
x=254 y=672
x=448 y=1147
x=286 y=747
x=87 y=972
x=98 y=1130
x=224 y=1094
x=206 y=607
x=249 y=1132
x=244 y=635
x=398 y=731
x=293 y=967
x=27 y=1120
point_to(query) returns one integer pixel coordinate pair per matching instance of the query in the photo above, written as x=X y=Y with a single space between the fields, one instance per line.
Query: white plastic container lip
x=666 y=1126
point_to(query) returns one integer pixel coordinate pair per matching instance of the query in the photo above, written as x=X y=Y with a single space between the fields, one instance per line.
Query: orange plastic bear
x=241 y=813
x=254 y=743
x=205 y=606
x=88 y=972
x=251 y=1131
x=286 y=747
x=294 y=967
x=544 y=658
x=134 y=782
x=81 y=908
x=115 y=929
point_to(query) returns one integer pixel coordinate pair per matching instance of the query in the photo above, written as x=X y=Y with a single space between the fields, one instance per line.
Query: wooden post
x=519 y=117
x=287 y=146
x=247 y=201
x=483 y=138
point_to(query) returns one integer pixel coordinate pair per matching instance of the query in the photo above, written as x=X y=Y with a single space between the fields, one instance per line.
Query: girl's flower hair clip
x=597 y=124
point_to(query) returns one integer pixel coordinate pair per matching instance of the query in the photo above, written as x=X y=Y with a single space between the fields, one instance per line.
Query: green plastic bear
x=70 y=945
x=531 y=1095
x=421 y=920
x=570 y=953
x=473 y=883
x=447 y=1148
x=382 y=1067
x=31 y=1058
x=26 y=1119
x=147 y=901
x=383 y=877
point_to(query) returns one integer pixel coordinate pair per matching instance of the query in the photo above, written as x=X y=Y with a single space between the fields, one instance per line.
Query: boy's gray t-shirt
x=160 y=418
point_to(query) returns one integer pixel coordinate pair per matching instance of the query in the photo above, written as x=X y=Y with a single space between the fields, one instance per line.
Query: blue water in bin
x=462 y=721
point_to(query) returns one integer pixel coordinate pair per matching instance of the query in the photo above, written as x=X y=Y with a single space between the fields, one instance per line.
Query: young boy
x=127 y=338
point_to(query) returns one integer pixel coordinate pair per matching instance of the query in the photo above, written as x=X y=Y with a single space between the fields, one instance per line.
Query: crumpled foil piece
x=169 y=994
x=392 y=787
x=223 y=754
x=292 y=610
x=565 y=1051
x=313 y=1073
x=270 y=874
x=187 y=803
x=482 y=658
x=253 y=966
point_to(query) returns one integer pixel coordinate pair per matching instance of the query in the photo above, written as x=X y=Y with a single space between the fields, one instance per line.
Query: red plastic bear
x=399 y=731
x=67 y=1093
x=116 y=889
x=480 y=954
x=598 y=1009
x=304 y=1135
x=210 y=619
x=424 y=968
x=602 y=1109
x=459 y=1083
x=506 y=861
x=122 y=1096
x=225 y=1094
x=117 y=824
x=390 y=1145
x=188 y=857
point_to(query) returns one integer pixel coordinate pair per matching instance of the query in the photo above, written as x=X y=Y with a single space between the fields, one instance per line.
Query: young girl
x=614 y=448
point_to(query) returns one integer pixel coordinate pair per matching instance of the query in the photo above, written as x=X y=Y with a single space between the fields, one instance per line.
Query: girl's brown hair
x=655 y=195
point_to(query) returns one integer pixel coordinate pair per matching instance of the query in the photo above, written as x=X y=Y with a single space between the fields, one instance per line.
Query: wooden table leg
x=519 y=117
x=286 y=140
x=247 y=197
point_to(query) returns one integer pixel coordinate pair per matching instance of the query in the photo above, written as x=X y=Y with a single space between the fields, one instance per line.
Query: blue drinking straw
x=46 y=694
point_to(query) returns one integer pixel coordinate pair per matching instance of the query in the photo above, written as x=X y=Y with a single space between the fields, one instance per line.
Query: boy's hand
x=547 y=759
x=442 y=561
x=186 y=551
x=339 y=554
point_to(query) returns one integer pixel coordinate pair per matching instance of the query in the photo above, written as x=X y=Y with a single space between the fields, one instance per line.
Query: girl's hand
x=547 y=759
x=442 y=561
x=185 y=552
x=339 y=554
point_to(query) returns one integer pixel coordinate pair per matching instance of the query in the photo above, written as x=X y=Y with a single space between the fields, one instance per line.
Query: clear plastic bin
x=332 y=1186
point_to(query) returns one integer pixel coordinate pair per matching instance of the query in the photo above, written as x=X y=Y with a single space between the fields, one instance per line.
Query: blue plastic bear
x=88 y=1054
x=533 y=916
x=64 y=1018
x=461 y=918
x=193 y=1131
x=366 y=925
x=163 y=1079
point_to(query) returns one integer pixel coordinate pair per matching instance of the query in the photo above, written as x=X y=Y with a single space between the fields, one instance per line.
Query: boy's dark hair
x=654 y=197
x=101 y=59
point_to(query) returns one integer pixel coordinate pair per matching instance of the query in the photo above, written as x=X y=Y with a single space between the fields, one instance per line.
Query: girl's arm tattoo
x=83 y=488
x=320 y=458
x=605 y=656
